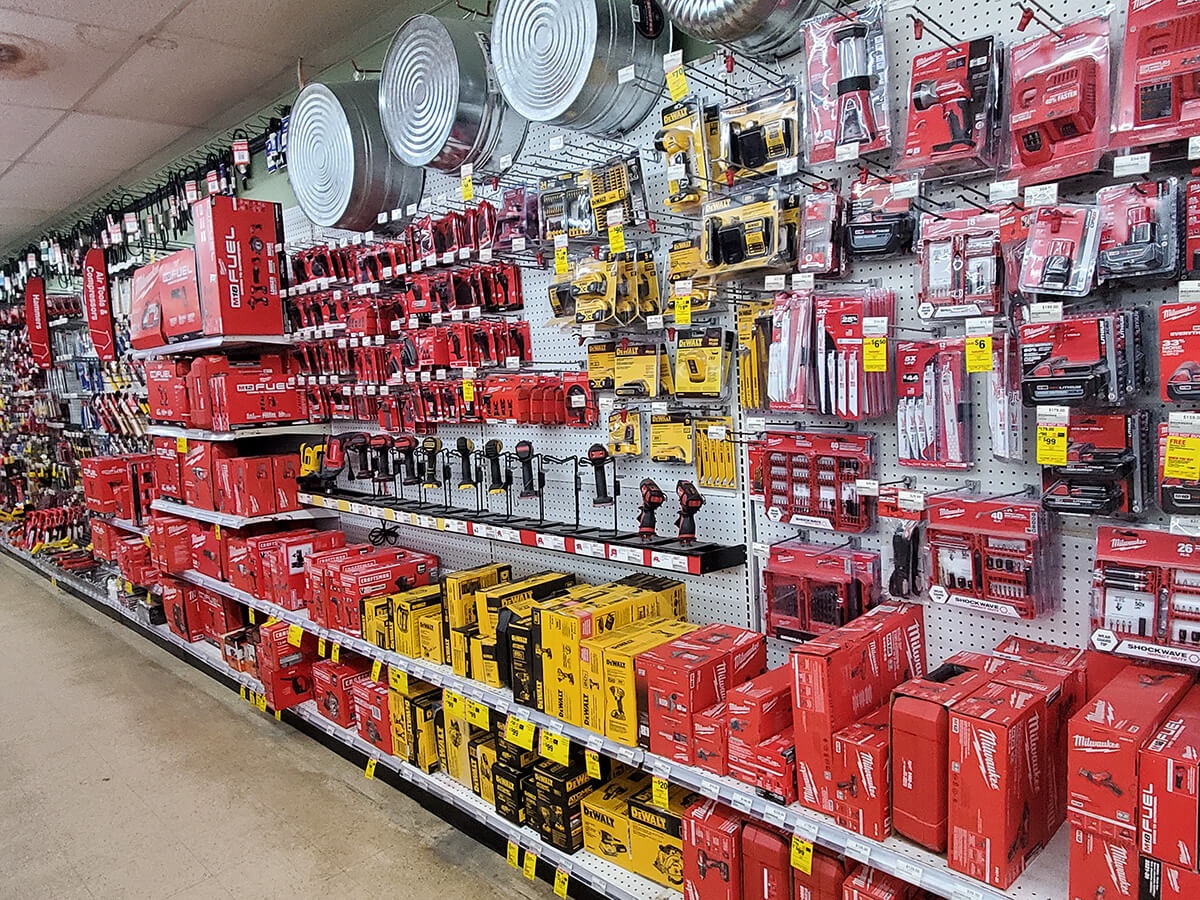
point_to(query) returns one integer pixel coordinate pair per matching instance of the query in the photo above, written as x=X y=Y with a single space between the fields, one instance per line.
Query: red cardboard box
x=862 y=795
x=166 y=390
x=255 y=397
x=747 y=649
x=238 y=265
x=385 y=572
x=247 y=485
x=866 y=883
x=761 y=707
x=181 y=605
x=207 y=556
x=103 y=478
x=712 y=852
x=1101 y=867
x=276 y=651
x=372 y=718
x=1169 y=787
x=681 y=680
x=770 y=766
x=170 y=543
x=825 y=881
x=239 y=564
x=1020 y=649
x=133 y=559
x=766 y=863
x=286 y=472
x=286 y=687
x=1105 y=738
x=997 y=783
x=199 y=472
x=282 y=563
x=319 y=570
x=199 y=378
x=167 y=470
x=103 y=540
x=920 y=734
x=1101 y=669
x=1158 y=881
x=165 y=302
x=259 y=545
x=332 y=683
x=710 y=739
x=221 y=615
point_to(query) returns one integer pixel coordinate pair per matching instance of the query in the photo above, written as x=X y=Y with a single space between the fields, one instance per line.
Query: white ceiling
x=103 y=88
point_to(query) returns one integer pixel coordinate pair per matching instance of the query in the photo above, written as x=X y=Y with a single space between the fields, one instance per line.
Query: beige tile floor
x=125 y=773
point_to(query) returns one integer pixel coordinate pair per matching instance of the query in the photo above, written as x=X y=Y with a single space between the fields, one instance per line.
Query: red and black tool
x=652 y=499
x=690 y=501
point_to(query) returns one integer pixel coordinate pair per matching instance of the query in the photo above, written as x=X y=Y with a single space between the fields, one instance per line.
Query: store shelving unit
x=228 y=520
x=215 y=342
x=281 y=429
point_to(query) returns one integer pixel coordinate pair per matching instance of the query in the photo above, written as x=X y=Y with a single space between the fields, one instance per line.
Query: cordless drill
x=431 y=447
x=406 y=446
x=690 y=501
x=381 y=449
x=652 y=499
x=952 y=96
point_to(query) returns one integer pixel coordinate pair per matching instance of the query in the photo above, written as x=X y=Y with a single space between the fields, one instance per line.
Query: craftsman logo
x=984 y=743
x=1117 y=858
x=233 y=268
x=1179 y=312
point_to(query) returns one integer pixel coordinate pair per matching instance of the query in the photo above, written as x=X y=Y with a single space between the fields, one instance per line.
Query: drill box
x=710 y=739
x=332 y=682
x=459 y=590
x=998 y=783
x=606 y=817
x=490 y=600
x=460 y=649
x=246 y=485
x=384 y=572
x=656 y=835
x=513 y=756
x=483 y=656
x=199 y=472
x=286 y=472
x=1020 y=649
x=255 y=397
x=680 y=680
x=167 y=469
x=524 y=666
x=181 y=604
x=208 y=558
x=408 y=610
x=277 y=652
x=286 y=687
x=1158 y=881
x=626 y=697
x=865 y=883
x=378 y=622
x=712 y=852
x=258 y=546
x=509 y=786
x=166 y=391
x=453 y=737
x=1101 y=867
x=431 y=640
x=482 y=749
x=769 y=767
x=165 y=303
x=220 y=615
x=170 y=543
x=766 y=863
x=1169 y=788
x=761 y=707
x=862 y=790
x=591 y=666
x=237 y=264
x=104 y=539
x=281 y=560
x=133 y=560
x=371 y=716
x=319 y=570
x=413 y=713
x=747 y=650
x=1105 y=737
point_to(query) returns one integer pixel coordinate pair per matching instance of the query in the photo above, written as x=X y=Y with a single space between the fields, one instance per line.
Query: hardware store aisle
x=126 y=773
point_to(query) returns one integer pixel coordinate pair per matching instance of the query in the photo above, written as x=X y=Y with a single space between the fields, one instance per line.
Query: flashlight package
x=1061 y=251
x=882 y=219
x=953 y=113
x=703 y=358
x=1158 y=100
x=758 y=133
x=933 y=407
x=1139 y=230
x=752 y=230
x=958 y=253
x=1107 y=472
x=822 y=250
x=1059 y=112
x=681 y=139
x=1092 y=359
x=847 y=71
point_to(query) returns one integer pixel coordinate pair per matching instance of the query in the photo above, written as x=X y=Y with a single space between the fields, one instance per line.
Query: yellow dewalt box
x=670 y=594
x=398 y=706
x=591 y=668
x=606 y=817
x=656 y=835
x=378 y=627
x=623 y=695
x=431 y=633
x=460 y=650
x=407 y=609
x=458 y=590
x=601 y=357
x=490 y=675
x=489 y=601
x=420 y=737
x=482 y=749
x=454 y=736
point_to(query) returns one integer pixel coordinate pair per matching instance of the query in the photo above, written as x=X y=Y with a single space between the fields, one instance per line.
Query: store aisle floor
x=126 y=773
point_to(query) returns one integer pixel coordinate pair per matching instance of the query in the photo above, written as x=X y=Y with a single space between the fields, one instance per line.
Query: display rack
x=215 y=342
x=228 y=520
x=281 y=429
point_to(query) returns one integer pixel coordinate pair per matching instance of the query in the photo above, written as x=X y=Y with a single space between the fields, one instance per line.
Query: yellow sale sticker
x=398 y=680
x=519 y=732
x=561 y=878
x=555 y=747
x=683 y=310
x=455 y=705
x=677 y=83
x=979 y=353
x=295 y=635
x=1052 y=445
x=513 y=855
x=376 y=670
x=875 y=354
x=478 y=714
x=660 y=792
x=592 y=759
x=529 y=867
x=1182 y=459
x=802 y=854
x=369 y=771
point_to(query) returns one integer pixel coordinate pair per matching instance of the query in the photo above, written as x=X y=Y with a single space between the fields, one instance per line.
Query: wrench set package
x=1147 y=586
x=1108 y=469
x=992 y=555
x=1061 y=251
x=1140 y=227
x=933 y=409
x=1084 y=360
x=810 y=589
x=811 y=479
x=958 y=253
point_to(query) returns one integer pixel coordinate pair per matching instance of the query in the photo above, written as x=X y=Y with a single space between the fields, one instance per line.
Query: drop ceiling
x=99 y=92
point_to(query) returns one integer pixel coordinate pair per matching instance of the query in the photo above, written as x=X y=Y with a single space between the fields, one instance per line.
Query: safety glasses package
x=958 y=254
x=1139 y=230
x=847 y=71
x=933 y=405
x=1059 y=111
x=1061 y=251
x=1160 y=65
x=758 y=133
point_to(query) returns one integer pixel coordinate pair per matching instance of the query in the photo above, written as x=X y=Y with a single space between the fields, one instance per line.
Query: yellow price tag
x=561 y=264
x=295 y=635
x=555 y=747
x=129 y=587
x=181 y=445
x=343 y=506
x=519 y=732
x=146 y=539
x=335 y=652
x=278 y=716
x=478 y=714
x=271 y=620
x=677 y=83
x=979 y=354
x=616 y=238
x=1182 y=458
x=592 y=759
x=468 y=391
x=683 y=310
x=513 y=854
x=398 y=680
x=468 y=188
x=660 y=792
x=376 y=669
x=1052 y=445
x=529 y=867
x=321 y=647
x=53 y=581
x=875 y=354
x=260 y=700
x=561 y=878
x=369 y=771
x=217 y=532
x=250 y=613
x=454 y=704
x=802 y=854
x=244 y=692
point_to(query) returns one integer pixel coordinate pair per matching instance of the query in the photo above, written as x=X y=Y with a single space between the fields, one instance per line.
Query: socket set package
x=1158 y=99
x=811 y=479
x=1178 y=496
x=1140 y=230
x=1179 y=352
x=882 y=218
x=817 y=359
x=954 y=109
x=1005 y=409
x=933 y=406
x=846 y=66
x=991 y=554
x=756 y=134
x=1083 y=360
x=1061 y=251
x=681 y=139
x=1059 y=111
x=958 y=253
x=1146 y=586
x=822 y=248
x=748 y=231
x=810 y=589
x=1107 y=472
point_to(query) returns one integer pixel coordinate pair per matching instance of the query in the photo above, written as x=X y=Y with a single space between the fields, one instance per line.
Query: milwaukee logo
x=1182 y=312
x=865 y=768
x=951 y=512
x=1079 y=742
x=1101 y=713
x=1117 y=857
x=1033 y=752
x=984 y=743
x=1126 y=543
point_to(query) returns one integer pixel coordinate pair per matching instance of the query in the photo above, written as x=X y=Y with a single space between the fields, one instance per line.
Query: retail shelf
x=216 y=342
x=902 y=858
x=664 y=555
x=126 y=525
x=227 y=520
x=273 y=430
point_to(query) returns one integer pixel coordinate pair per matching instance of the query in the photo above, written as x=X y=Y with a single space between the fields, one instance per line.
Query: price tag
x=513 y=855
x=518 y=244
x=1194 y=147
x=1052 y=435
x=519 y=732
x=1182 y=459
x=859 y=850
x=556 y=143
x=336 y=653
x=592 y=760
x=455 y=704
x=677 y=83
x=774 y=283
x=181 y=445
x=1003 y=190
x=847 y=152
x=295 y=635
x=1047 y=311
x=529 y=867
x=802 y=854
x=561 y=878
x=468 y=391
x=278 y=715
x=874 y=354
x=479 y=715
x=1131 y=164
x=1041 y=194
x=616 y=235
x=561 y=264
x=376 y=669
x=245 y=694
x=555 y=747
x=398 y=680
x=683 y=310
x=468 y=185
x=788 y=167
x=260 y=700
x=717 y=432
x=803 y=281
x=626 y=74
x=369 y=771
x=660 y=791
x=979 y=353
x=907 y=189
x=867 y=487
x=321 y=649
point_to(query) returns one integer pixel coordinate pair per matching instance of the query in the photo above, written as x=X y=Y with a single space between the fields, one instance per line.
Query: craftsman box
x=862 y=792
x=332 y=683
x=287 y=687
x=276 y=651
x=1169 y=787
x=246 y=485
x=712 y=852
x=372 y=719
x=237 y=264
x=281 y=562
x=1101 y=867
x=385 y=572
x=319 y=569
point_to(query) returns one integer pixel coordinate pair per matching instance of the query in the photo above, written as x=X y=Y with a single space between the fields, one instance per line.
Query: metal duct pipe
x=768 y=28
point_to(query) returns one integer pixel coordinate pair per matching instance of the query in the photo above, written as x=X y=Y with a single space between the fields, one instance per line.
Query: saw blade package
x=1140 y=230
x=1146 y=586
x=933 y=405
x=758 y=133
x=882 y=218
x=810 y=589
x=958 y=253
x=1083 y=360
x=1061 y=251
x=1158 y=99
x=811 y=479
x=1005 y=416
x=1107 y=472
x=847 y=77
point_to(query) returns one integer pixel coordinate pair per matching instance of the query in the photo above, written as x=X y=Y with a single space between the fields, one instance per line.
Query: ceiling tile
x=61 y=61
x=137 y=16
x=288 y=27
x=183 y=80
x=52 y=187
x=23 y=125
x=111 y=142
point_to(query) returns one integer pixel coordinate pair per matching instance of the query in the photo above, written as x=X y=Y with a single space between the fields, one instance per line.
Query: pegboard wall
x=732 y=596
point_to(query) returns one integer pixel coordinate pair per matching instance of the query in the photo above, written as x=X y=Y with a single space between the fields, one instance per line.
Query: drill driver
x=690 y=501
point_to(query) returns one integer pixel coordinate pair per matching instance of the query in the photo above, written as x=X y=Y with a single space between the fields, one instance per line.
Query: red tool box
x=761 y=707
x=181 y=605
x=811 y=589
x=167 y=468
x=237 y=262
x=1102 y=867
x=246 y=485
x=1169 y=788
x=710 y=739
x=283 y=563
x=385 y=572
x=199 y=472
x=766 y=863
x=862 y=795
x=318 y=570
x=372 y=717
x=170 y=543
x=166 y=390
x=865 y=883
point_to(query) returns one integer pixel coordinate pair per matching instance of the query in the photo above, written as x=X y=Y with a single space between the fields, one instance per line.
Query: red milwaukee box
x=104 y=538
x=181 y=605
x=165 y=303
x=239 y=564
x=1101 y=868
x=283 y=559
x=1159 y=881
x=825 y=881
x=1169 y=787
x=761 y=707
x=670 y=735
x=747 y=649
x=286 y=472
x=1105 y=737
x=862 y=799
x=1022 y=649
x=865 y=883
x=199 y=472
x=199 y=378
x=287 y=687
x=167 y=470
x=1101 y=669
x=1179 y=349
x=998 y=783
x=371 y=716
x=133 y=559
x=170 y=543
x=166 y=390
x=238 y=265
x=770 y=766
x=246 y=485
x=840 y=677
x=766 y=863
x=386 y=572
x=319 y=569
x=276 y=650
x=261 y=545
x=920 y=731
x=132 y=501
x=255 y=397
x=710 y=738
x=107 y=481
x=221 y=615
x=207 y=556
x=682 y=678
x=331 y=687
x=712 y=852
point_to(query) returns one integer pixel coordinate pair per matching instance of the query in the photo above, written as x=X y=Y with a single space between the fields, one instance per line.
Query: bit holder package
x=1147 y=586
x=811 y=479
x=961 y=266
x=810 y=589
x=933 y=408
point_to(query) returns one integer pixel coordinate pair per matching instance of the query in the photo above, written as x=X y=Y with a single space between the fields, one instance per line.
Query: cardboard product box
x=133 y=559
x=239 y=650
x=408 y=609
x=384 y=572
x=430 y=636
x=282 y=563
x=421 y=734
x=460 y=650
x=513 y=756
x=220 y=615
x=1159 y=881
x=104 y=539
x=681 y=679
x=1169 y=788
x=198 y=380
x=453 y=739
x=761 y=707
x=207 y=558
x=998 y=783
x=1101 y=668
x=332 y=683
x=286 y=687
x=167 y=468
x=199 y=475
x=524 y=665
x=166 y=390
x=372 y=718
x=170 y=543
x=626 y=697
x=103 y=477
x=483 y=661
x=712 y=852
x=747 y=650
x=1023 y=649
x=1106 y=736
x=319 y=569
x=920 y=739
x=247 y=485
x=262 y=545
x=490 y=600
x=591 y=668
x=770 y=767
x=181 y=604
x=459 y=591
x=559 y=792
x=862 y=792
x=165 y=304
x=285 y=472
x=865 y=883
x=378 y=626
x=826 y=880
x=255 y=397
x=656 y=835
x=237 y=265
x=766 y=863
x=482 y=748
x=605 y=813
x=400 y=696
x=276 y=650
x=508 y=784
x=1101 y=867
x=239 y=565
x=710 y=736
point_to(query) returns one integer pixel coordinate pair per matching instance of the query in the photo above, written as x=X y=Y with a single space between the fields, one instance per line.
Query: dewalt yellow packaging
x=636 y=370
x=489 y=601
x=431 y=635
x=601 y=359
x=453 y=747
x=591 y=669
x=656 y=835
x=458 y=590
x=482 y=749
x=420 y=736
x=407 y=609
x=377 y=622
x=460 y=650
x=758 y=133
x=624 y=696
x=606 y=817
x=671 y=437
x=743 y=233
x=488 y=671
x=681 y=139
x=702 y=363
x=624 y=433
